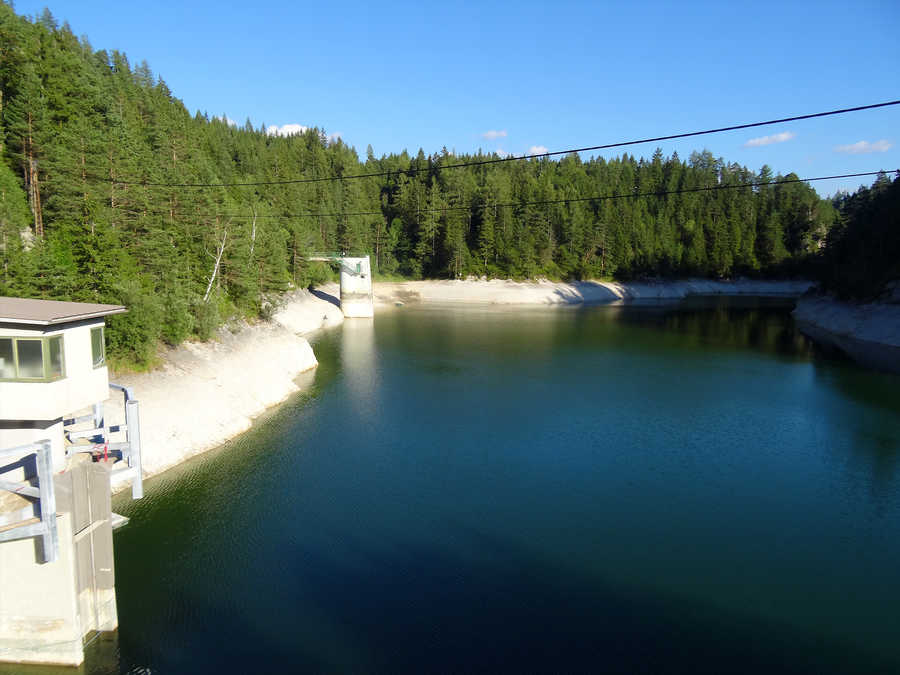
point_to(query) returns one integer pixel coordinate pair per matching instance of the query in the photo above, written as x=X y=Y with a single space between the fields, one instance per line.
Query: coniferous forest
x=105 y=196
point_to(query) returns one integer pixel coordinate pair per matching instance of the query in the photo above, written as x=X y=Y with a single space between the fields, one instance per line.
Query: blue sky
x=552 y=75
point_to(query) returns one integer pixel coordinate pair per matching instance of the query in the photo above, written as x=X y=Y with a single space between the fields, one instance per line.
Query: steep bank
x=868 y=333
x=205 y=393
x=503 y=292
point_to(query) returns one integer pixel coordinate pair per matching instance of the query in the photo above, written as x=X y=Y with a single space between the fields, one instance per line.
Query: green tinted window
x=55 y=357
x=97 y=348
x=36 y=359
x=7 y=361
x=31 y=358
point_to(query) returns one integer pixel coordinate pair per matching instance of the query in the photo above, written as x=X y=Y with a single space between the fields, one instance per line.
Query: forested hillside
x=862 y=252
x=99 y=202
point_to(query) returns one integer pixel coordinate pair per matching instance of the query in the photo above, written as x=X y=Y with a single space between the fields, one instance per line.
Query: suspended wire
x=541 y=202
x=498 y=160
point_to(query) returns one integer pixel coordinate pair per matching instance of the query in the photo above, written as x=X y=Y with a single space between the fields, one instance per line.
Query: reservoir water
x=642 y=489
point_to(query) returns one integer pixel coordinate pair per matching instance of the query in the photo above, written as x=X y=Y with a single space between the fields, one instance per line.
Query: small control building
x=52 y=363
x=56 y=558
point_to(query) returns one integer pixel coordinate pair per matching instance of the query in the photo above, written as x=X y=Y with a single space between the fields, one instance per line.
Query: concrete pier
x=356 y=288
x=49 y=609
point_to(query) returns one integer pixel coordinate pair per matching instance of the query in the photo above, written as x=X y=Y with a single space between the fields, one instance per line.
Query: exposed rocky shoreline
x=504 y=292
x=869 y=333
x=208 y=392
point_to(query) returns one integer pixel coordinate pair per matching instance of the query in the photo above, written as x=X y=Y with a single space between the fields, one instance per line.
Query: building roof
x=52 y=312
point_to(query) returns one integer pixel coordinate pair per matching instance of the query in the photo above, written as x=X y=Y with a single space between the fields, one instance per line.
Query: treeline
x=862 y=252
x=86 y=138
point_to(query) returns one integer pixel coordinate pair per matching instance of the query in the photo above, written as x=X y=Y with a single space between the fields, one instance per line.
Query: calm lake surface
x=642 y=489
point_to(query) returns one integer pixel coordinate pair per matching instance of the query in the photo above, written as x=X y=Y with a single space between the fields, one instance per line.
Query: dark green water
x=601 y=489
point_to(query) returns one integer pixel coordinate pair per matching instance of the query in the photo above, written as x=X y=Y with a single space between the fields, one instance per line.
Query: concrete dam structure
x=57 y=579
x=356 y=283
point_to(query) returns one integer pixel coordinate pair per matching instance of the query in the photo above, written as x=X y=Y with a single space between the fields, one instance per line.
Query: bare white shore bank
x=208 y=392
x=868 y=333
x=503 y=292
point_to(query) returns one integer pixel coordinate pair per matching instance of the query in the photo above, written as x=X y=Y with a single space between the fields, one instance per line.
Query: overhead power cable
x=541 y=202
x=510 y=158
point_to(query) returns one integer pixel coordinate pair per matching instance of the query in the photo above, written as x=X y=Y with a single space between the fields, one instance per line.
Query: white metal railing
x=128 y=450
x=43 y=525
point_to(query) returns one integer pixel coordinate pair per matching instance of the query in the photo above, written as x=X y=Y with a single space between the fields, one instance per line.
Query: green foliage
x=14 y=220
x=86 y=139
x=208 y=317
x=862 y=252
x=132 y=337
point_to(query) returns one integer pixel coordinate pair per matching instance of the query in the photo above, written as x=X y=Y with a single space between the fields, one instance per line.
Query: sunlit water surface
x=656 y=489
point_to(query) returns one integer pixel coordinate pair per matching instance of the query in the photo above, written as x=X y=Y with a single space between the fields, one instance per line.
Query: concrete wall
x=48 y=609
x=356 y=288
x=38 y=603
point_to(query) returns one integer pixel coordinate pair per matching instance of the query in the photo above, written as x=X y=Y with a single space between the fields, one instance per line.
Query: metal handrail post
x=132 y=438
x=133 y=424
x=48 y=501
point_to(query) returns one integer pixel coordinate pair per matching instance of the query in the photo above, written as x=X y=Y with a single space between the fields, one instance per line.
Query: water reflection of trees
x=874 y=423
x=762 y=324
x=738 y=323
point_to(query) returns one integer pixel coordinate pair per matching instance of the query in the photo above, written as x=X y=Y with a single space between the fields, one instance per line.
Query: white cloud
x=768 y=140
x=230 y=122
x=537 y=150
x=865 y=147
x=492 y=134
x=336 y=135
x=501 y=152
x=285 y=129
